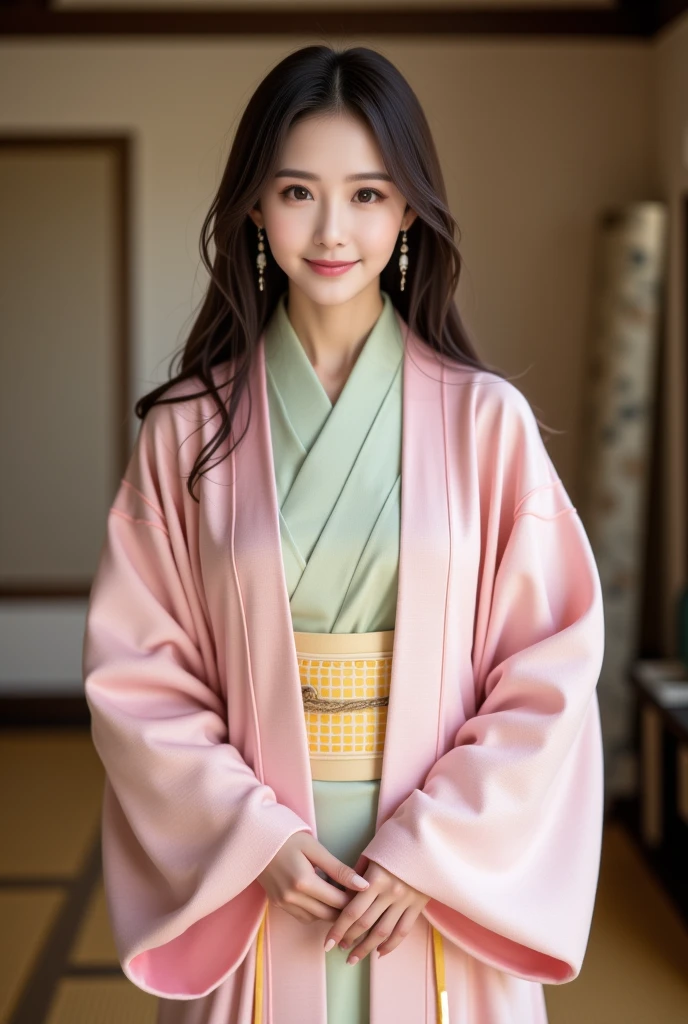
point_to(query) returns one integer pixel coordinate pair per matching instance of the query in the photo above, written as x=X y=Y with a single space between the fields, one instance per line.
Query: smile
x=330 y=268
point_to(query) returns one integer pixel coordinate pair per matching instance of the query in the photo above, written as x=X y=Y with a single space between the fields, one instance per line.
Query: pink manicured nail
x=328 y=945
x=352 y=960
x=359 y=880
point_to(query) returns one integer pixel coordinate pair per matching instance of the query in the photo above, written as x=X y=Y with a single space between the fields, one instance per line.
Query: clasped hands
x=379 y=915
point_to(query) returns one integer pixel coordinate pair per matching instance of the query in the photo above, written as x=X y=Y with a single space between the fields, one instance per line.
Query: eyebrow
x=288 y=172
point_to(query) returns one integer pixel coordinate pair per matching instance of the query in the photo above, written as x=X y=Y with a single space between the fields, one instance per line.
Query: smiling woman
x=338 y=227
x=345 y=695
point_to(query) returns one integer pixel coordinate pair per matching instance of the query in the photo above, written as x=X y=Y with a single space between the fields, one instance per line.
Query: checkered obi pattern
x=345 y=681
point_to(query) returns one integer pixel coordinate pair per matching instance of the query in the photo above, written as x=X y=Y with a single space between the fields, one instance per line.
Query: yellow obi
x=345 y=681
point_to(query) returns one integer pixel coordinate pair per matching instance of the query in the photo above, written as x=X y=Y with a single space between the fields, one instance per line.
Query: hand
x=386 y=911
x=293 y=884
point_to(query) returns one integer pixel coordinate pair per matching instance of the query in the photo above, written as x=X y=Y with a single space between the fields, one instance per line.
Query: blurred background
x=562 y=128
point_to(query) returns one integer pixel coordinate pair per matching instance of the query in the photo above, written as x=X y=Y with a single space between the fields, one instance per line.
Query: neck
x=333 y=336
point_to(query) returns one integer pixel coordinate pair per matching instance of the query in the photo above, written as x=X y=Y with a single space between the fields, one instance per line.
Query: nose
x=331 y=231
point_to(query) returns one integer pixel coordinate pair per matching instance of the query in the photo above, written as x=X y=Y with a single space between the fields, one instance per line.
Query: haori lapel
x=275 y=684
x=411 y=740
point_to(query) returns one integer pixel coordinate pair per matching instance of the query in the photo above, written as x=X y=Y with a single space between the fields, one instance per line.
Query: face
x=310 y=211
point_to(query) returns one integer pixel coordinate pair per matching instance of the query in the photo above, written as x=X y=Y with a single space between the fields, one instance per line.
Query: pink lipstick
x=330 y=268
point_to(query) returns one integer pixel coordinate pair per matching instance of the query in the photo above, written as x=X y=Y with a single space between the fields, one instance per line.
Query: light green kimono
x=338 y=477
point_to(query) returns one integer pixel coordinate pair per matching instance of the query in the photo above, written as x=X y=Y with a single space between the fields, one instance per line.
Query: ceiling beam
x=639 y=18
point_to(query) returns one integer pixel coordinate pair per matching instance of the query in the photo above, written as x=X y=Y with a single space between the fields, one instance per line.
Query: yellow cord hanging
x=258 y=990
x=440 y=984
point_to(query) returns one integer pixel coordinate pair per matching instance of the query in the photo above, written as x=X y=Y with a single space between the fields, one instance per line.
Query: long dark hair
x=317 y=80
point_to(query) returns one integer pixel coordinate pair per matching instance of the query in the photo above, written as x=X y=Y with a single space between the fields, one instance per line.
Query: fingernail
x=352 y=960
x=329 y=944
x=343 y=944
x=359 y=880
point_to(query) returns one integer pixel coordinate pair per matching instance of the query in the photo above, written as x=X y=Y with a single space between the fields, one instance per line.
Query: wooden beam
x=25 y=18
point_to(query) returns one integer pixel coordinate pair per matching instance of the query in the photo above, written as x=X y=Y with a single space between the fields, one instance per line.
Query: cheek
x=286 y=234
x=378 y=233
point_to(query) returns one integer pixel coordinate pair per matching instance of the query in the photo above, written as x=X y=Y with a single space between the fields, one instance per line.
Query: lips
x=333 y=263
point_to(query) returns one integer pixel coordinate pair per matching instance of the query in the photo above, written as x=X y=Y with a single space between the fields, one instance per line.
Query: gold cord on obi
x=311 y=702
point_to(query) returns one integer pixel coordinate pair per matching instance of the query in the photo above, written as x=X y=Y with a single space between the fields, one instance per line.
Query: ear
x=257 y=217
x=408 y=219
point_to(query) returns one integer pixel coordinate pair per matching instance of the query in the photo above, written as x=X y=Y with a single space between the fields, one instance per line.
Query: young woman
x=343 y=676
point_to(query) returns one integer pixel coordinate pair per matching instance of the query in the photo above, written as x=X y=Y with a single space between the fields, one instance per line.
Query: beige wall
x=535 y=137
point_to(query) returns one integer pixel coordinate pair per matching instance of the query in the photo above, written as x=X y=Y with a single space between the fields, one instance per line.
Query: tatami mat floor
x=58 y=964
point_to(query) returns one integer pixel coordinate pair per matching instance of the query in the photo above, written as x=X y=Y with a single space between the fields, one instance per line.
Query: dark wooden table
x=661 y=687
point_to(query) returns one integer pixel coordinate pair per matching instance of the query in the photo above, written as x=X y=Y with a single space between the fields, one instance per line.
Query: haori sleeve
x=505 y=835
x=186 y=824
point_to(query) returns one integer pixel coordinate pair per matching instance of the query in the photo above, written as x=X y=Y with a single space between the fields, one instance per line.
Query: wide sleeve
x=505 y=835
x=186 y=824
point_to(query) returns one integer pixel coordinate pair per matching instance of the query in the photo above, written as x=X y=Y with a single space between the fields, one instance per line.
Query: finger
x=367 y=936
x=325 y=892
x=401 y=930
x=366 y=921
x=312 y=906
x=335 y=868
x=379 y=933
x=351 y=913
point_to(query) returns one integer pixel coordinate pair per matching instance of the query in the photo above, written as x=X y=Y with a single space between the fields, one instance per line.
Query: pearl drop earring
x=403 y=260
x=261 y=259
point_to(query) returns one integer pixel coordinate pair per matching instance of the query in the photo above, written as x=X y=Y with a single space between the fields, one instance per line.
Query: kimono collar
x=298 y=383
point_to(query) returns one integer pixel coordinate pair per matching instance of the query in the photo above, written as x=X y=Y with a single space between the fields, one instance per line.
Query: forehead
x=335 y=146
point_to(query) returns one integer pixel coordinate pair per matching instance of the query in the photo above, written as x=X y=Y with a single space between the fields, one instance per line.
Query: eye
x=302 y=188
x=372 y=191
x=299 y=188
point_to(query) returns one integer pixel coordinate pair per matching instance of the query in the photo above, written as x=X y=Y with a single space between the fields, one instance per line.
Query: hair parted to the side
x=316 y=80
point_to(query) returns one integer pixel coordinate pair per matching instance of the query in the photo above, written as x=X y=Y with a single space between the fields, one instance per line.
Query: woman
x=345 y=694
